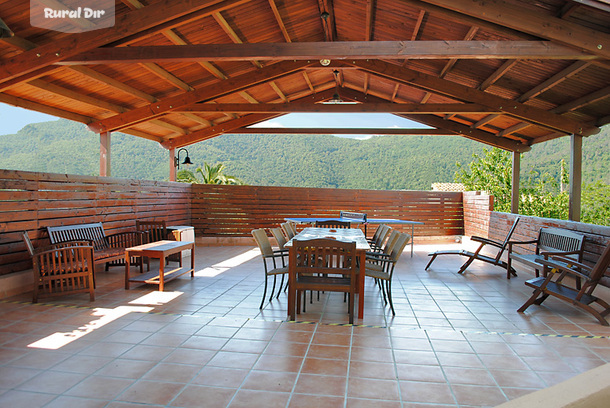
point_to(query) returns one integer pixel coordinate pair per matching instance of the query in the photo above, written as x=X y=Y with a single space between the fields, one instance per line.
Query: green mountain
x=382 y=162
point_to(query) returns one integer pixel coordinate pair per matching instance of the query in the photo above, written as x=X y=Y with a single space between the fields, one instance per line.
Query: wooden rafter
x=515 y=16
x=370 y=19
x=498 y=73
x=167 y=76
x=231 y=85
x=278 y=91
x=224 y=24
x=49 y=110
x=466 y=94
x=335 y=50
x=28 y=64
x=280 y=21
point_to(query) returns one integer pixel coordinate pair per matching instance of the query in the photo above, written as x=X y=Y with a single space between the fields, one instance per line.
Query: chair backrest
x=155 y=230
x=391 y=242
x=262 y=240
x=505 y=243
x=323 y=255
x=601 y=266
x=333 y=224
x=279 y=237
x=289 y=229
x=401 y=242
x=28 y=243
x=384 y=231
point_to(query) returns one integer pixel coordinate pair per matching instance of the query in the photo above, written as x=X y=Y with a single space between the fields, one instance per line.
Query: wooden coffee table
x=159 y=250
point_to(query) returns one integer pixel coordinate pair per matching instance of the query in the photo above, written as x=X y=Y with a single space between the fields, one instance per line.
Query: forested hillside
x=388 y=162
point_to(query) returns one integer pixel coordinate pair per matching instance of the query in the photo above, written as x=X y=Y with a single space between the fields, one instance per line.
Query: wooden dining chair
x=333 y=224
x=278 y=262
x=322 y=265
x=156 y=231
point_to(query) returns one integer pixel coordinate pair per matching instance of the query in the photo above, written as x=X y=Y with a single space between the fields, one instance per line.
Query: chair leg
x=466 y=264
x=530 y=301
x=273 y=287
x=385 y=300
x=264 y=293
x=431 y=260
x=280 y=289
x=389 y=290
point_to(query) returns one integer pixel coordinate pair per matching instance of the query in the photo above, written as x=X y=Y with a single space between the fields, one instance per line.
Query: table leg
x=161 y=273
x=127 y=265
x=192 y=260
x=361 y=286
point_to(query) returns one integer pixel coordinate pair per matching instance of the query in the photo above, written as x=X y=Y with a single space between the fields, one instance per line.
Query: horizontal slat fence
x=230 y=211
x=32 y=201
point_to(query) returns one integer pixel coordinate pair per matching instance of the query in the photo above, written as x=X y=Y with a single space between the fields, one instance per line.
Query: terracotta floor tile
x=318 y=401
x=189 y=356
x=148 y=353
x=125 y=368
x=205 y=343
x=330 y=352
x=269 y=381
x=372 y=354
x=369 y=369
x=477 y=395
x=269 y=362
x=474 y=376
x=251 y=398
x=221 y=377
x=459 y=360
x=332 y=339
x=22 y=399
x=65 y=401
x=426 y=392
x=82 y=364
x=126 y=336
x=151 y=392
x=233 y=360
x=178 y=373
x=99 y=387
x=51 y=382
x=403 y=343
x=372 y=389
x=196 y=396
x=217 y=331
x=517 y=378
x=321 y=385
x=367 y=403
x=293 y=336
x=324 y=367
x=426 y=373
x=415 y=357
x=499 y=362
x=11 y=377
x=245 y=346
x=40 y=359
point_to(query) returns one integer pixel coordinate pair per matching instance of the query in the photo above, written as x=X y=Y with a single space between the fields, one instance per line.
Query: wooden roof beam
x=167 y=105
x=515 y=16
x=28 y=64
x=334 y=51
x=226 y=27
x=466 y=94
x=414 y=108
x=370 y=19
x=498 y=73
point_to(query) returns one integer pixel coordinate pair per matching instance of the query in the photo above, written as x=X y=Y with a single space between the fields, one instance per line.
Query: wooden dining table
x=345 y=235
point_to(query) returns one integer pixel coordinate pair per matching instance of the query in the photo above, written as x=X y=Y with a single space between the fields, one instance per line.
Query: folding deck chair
x=477 y=254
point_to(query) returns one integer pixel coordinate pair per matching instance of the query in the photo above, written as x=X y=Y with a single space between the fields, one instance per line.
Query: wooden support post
x=105 y=154
x=575 y=177
x=514 y=195
x=172 y=164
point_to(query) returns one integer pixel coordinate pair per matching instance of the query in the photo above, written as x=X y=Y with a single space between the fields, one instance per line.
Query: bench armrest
x=564 y=267
x=559 y=253
x=523 y=242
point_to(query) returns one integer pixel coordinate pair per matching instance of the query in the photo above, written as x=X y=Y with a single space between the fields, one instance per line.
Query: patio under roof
x=506 y=73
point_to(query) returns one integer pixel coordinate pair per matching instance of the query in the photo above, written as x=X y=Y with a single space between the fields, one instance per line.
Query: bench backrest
x=93 y=232
x=558 y=239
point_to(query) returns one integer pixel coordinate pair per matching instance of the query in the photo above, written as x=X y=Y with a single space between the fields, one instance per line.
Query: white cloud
x=269 y=124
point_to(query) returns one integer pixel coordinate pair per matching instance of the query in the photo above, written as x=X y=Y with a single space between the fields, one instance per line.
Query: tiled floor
x=456 y=341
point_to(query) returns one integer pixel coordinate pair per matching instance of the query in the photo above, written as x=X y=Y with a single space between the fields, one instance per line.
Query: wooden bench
x=550 y=241
x=106 y=248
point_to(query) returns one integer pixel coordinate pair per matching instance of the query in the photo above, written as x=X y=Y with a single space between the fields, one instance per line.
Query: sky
x=13 y=119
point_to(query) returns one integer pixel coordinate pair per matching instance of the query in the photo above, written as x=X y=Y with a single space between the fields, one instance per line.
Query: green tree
x=207 y=175
x=596 y=203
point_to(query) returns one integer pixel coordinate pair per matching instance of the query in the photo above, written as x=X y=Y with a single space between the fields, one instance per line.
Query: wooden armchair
x=64 y=268
x=156 y=231
x=558 y=284
x=322 y=265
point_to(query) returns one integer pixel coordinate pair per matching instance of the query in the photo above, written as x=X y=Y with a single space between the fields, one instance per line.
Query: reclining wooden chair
x=477 y=255
x=555 y=284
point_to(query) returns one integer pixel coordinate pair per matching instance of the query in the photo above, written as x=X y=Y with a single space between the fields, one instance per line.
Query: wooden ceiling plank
x=309 y=84
x=167 y=76
x=485 y=120
x=538 y=50
x=90 y=73
x=497 y=74
x=515 y=16
x=513 y=129
x=365 y=87
x=466 y=94
x=22 y=66
x=165 y=125
x=279 y=20
x=197 y=119
x=229 y=86
x=414 y=108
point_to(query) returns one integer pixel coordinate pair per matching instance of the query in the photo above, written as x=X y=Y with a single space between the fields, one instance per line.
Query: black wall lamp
x=187 y=159
x=5 y=32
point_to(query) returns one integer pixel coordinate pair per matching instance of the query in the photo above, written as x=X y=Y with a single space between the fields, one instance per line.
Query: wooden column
x=514 y=195
x=172 y=164
x=575 y=177
x=105 y=154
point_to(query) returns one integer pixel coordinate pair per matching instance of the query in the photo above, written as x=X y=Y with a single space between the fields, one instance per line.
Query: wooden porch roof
x=507 y=73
